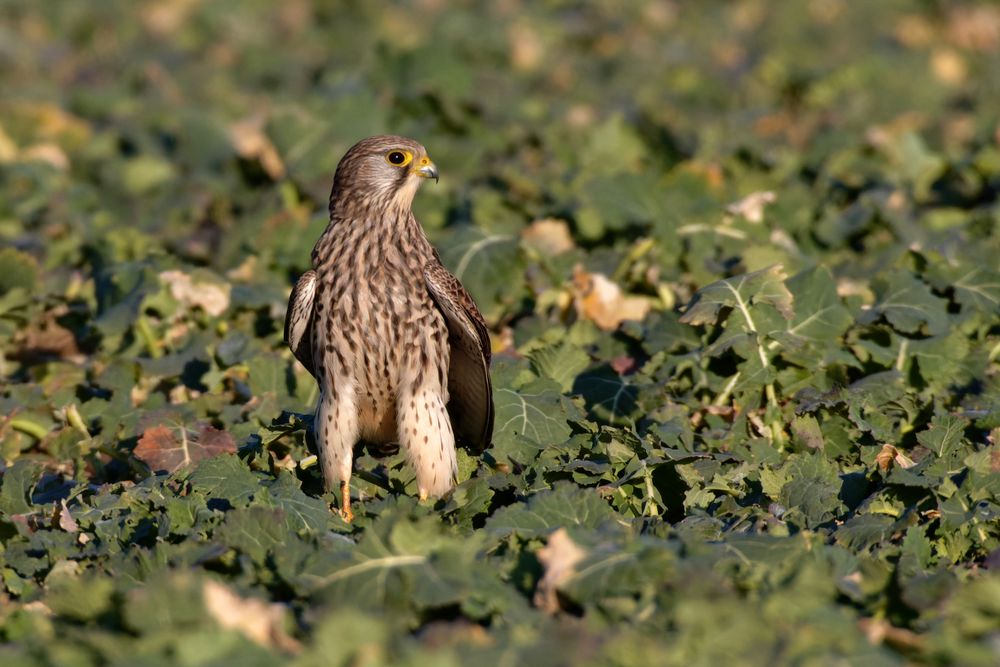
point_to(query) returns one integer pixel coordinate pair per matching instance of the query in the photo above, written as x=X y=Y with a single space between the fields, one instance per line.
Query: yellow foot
x=345 y=503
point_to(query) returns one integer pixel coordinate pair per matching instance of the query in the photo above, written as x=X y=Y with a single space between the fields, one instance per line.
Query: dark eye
x=396 y=157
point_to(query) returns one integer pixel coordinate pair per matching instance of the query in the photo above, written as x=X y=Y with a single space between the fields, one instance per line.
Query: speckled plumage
x=398 y=347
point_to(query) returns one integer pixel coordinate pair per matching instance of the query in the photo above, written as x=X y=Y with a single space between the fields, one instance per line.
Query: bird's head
x=384 y=168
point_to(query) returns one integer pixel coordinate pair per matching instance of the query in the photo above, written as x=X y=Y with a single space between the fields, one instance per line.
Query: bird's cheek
x=406 y=191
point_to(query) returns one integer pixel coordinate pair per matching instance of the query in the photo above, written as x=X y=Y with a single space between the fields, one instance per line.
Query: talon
x=345 y=503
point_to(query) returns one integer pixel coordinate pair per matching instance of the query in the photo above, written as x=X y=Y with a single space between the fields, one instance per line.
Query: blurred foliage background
x=805 y=467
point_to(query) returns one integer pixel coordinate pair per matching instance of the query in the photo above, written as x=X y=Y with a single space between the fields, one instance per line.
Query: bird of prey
x=399 y=349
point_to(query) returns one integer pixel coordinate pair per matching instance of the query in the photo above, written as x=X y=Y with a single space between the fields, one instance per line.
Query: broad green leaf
x=944 y=435
x=611 y=572
x=224 y=478
x=820 y=316
x=566 y=506
x=79 y=597
x=740 y=294
x=303 y=513
x=18 y=481
x=611 y=398
x=255 y=531
x=562 y=363
x=908 y=304
x=489 y=266
x=535 y=412
x=17 y=270
x=807 y=485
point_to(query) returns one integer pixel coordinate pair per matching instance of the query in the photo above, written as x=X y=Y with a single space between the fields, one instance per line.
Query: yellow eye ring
x=398 y=157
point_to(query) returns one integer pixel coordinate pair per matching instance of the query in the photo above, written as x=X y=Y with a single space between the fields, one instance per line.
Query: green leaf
x=304 y=513
x=611 y=398
x=489 y=266
x=536 y=413
x=740 y=293
x=807 y=485
x=18 y=482
x=614 y=571
x=224 y=478
x=562 y=363
x=81 y=598
x=819 y=317
x=17 y=270
x=944 y=435
x=255 y=531
x=395 y=564
x=565 y=506
x=908 y=305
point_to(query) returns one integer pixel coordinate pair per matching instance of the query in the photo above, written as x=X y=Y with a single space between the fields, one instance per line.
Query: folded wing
x=470 y=391
x=298 y=319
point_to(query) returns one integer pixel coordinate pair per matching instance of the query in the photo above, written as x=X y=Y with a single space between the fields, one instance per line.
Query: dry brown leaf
x=53 y=122
x=879 y=631
x=976 y=28
x=602 y=302
x=884 y=458
x=47 y=153
x=211 y=297
x=994 y=438
x=752 y=206
x=890 y=455
x=168 y=449
x=580 y=116
x=442 y=634
x=559 y=559
x=527 y=51
x=164 y=17
x=8 y=149
x=246 y=271
x=259 y=621
x=949 y=67
x=548 y=236
x=38 y=607
x=623 y=364
x=66 y=520
x=914 y=31
x=251 y=143
x=47 y=340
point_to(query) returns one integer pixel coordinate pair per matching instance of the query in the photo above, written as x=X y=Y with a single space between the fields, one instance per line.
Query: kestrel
x=399 y=349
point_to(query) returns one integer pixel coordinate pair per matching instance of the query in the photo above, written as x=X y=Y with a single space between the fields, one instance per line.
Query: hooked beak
x=426 y=169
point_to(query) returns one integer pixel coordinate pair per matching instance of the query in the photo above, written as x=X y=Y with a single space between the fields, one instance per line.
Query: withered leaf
x=169 y=448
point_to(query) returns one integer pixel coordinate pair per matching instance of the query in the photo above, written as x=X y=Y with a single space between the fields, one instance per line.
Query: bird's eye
x=398 y=158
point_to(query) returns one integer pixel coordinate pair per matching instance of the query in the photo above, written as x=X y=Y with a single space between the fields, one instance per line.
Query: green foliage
x=739 y=259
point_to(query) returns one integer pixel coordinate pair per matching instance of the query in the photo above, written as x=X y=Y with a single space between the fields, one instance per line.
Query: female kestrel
x=398 y=347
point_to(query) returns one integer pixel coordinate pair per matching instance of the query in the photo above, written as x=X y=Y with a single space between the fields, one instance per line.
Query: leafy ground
x=740 y=262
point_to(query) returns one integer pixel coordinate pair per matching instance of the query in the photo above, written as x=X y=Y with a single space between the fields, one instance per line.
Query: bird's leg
x=345 y=501
x=425 y=434
x=336 y=433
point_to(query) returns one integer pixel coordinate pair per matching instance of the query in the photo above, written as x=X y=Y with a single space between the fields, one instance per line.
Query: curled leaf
x=890 y=454
x=548 y=237
x=252 y=143
x=212 y=297
x=259 y=621
x=559 y=558
x=752 y=206
x=66 y=520
x=603 y=302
